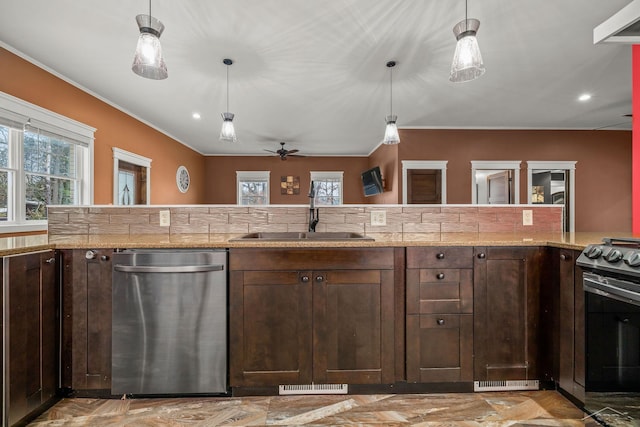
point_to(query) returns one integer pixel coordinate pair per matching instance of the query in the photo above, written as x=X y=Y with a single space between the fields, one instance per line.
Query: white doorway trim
x=440 y=165
x=562 y=165
x=134 y=159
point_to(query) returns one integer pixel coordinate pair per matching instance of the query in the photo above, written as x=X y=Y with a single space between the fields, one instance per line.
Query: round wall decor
x=182 y=179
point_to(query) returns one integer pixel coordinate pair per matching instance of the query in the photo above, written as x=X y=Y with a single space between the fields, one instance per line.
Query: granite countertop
x=23 y=244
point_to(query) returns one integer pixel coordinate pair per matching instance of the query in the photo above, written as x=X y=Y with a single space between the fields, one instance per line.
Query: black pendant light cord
x=391 y=90
x=149 y=12
x=227 y=87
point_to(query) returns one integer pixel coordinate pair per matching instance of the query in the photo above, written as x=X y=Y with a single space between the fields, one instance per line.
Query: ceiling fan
x=284 y=153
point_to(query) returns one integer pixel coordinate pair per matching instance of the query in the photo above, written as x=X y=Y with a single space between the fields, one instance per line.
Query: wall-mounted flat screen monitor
x=372 y=181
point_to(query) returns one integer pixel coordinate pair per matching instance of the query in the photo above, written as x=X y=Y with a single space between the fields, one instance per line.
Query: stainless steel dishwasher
x=169 y=327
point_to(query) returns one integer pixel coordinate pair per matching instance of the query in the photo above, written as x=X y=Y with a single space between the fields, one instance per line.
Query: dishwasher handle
x=168 y=269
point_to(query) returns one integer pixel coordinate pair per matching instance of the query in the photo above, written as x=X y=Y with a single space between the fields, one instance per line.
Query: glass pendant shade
x=227 y=133
x=391 y=135
x=148 y=61
x=467 y=62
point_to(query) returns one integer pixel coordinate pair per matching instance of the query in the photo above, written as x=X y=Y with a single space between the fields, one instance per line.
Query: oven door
x=612 y=334
x=609 y=287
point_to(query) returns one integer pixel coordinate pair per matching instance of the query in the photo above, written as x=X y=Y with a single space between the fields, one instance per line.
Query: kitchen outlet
x=527 y=217
x=165 y=218
x=378 y=217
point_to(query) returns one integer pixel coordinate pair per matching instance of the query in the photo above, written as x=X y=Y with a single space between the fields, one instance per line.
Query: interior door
x=424 y=186
x=499 y=188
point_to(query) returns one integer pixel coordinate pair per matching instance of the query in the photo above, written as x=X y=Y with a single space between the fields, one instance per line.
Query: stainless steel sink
x=292 y=235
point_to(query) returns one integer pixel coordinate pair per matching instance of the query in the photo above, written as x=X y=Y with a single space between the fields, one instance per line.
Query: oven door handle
x=600 y=286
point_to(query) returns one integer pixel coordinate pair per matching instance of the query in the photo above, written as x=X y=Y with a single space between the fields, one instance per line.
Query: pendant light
x=467 y=62
x=148 y=61
x=391 y=131
x=227 y=133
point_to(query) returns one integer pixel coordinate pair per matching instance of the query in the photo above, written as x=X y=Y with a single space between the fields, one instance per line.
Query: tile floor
x=538 y=408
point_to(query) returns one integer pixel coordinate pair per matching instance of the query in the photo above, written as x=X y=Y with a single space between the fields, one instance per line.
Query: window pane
x=47 y=155
x=253 y=192
x=328 y=191
x=42 y=191
x=4 y=146
x=4 y=195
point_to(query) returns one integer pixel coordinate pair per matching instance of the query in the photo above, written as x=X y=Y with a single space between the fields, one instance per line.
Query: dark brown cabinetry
x=572 y=324
x=506 y=312
x=439 y=345
x=86 y=309
x=30 y=351
x=299 y=316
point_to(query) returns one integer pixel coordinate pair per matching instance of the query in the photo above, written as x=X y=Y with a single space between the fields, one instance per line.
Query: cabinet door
x=506 y=313
x=572 y=332
x=31 y=351
x=86 y=334
x=270 y=320
x=353 y=326
x=439 y=348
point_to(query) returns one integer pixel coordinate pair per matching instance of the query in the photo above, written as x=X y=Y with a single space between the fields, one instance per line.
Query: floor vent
x=313 y=389
x=510 y=385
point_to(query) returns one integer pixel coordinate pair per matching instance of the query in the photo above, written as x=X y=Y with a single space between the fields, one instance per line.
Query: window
x=44 y=160
x=328 y=188
x=253 y=187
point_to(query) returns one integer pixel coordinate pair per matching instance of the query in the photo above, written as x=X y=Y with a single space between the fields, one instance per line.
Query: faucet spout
x=314 y=214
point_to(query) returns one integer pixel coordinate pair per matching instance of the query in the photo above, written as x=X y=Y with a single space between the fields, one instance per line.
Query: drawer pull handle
x=304 y=279
x=50 y=260
x=440 y=276
x=440 y=322
x=440 y=255
x=481 y=255
x=319 y=278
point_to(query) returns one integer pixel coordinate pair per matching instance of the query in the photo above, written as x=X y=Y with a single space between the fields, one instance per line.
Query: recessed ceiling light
x=196 y=116
x=584 y=97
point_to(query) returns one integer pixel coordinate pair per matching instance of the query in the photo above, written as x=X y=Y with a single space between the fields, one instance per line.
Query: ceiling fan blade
x=270 y=151
x=292 y=151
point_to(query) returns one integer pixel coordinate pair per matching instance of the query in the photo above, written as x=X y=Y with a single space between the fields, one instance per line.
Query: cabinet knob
x=440 y=255
x=482 y=255
x=91 y=254
x=319 y=278
x=304 y=279
x=104 y=258
x=440 y=322
x=50 y=260
x=440 y=276
x=564 y=257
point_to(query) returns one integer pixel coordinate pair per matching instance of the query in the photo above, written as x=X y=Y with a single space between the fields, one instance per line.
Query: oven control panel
x=619 y=259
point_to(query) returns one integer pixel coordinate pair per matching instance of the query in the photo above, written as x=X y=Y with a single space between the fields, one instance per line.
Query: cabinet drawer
x=439 y=348
x=440 y=257
x=439 y=291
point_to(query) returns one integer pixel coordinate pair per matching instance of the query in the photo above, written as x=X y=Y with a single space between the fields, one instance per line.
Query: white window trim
x=440 y=165
x=134 y=159
x=325 y=175
x=22 y=111
x=559 y=164
x=495 y=164
x=252 y=176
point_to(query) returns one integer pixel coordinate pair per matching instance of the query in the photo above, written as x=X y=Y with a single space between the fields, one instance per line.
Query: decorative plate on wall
x=182 y=179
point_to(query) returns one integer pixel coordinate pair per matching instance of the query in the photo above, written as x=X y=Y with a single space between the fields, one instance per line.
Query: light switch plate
x=378 y=218
x=527 y=217
x=165 y=218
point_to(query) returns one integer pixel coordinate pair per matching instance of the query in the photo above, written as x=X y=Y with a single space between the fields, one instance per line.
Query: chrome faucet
x=314 y=214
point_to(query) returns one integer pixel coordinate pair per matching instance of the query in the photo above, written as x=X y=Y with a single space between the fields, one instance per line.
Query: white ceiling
x=312 y=73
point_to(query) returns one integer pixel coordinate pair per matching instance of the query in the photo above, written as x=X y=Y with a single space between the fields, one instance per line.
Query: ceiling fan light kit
x=391 y=135
x=467 y=61
x=148 y=61
x=228 y=132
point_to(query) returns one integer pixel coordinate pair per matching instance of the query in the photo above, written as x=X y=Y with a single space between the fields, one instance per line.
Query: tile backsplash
x=419 y=220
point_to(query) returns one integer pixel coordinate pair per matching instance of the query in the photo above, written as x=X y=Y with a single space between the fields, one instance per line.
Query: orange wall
x=114 y=129
x=603 y=168
x=221 y=176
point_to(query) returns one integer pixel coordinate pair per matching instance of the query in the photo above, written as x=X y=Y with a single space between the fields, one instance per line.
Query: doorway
x=495 y=182
x=424 y=186
x=131 y=178
x=553 y=183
